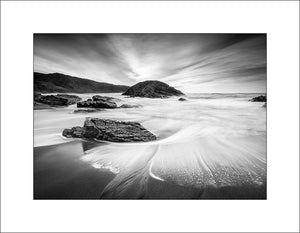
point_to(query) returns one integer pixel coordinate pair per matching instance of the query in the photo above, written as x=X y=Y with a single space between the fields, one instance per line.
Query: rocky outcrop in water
x=109 y=130
x=97 y=101
x=261 y=98
x=181 y=99
x=152 y=89
x=56 y=100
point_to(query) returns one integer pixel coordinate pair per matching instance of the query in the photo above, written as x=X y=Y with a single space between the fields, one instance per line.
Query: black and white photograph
x=150 y=116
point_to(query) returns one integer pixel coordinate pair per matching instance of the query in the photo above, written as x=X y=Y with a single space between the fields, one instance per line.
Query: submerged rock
x=56 y=100
x=87 y=110
x=41 y=106
x=152 y=89
x=130 y=106
x=103 y=98
x=109 y=130
x=265 y=105
x=261 y=98
x=181 y=99
x=73 y=98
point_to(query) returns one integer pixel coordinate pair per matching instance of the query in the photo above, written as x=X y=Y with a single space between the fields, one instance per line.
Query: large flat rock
x=110 y=130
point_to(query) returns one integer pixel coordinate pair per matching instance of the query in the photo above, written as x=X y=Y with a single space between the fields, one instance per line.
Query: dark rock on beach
x=56 y=100
x=109 y=130
x=181 y=99
x=261 y=98
x=152 y=89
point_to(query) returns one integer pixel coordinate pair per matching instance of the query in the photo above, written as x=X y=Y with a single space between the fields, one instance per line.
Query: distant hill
x=152 y=89
x=60 y=83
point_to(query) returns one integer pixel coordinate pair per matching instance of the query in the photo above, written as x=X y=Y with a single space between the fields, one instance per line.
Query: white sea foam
x=108 y=167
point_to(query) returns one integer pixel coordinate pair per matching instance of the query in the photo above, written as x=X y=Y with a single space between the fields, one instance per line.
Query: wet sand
x=60 y=174
x=165 y=190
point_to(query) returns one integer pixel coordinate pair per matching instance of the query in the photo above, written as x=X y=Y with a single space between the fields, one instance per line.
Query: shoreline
x=60 y=174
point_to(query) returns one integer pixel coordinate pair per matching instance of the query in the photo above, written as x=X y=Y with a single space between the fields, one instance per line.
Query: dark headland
x=61 y=83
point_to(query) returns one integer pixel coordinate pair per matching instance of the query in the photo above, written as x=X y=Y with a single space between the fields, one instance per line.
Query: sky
x=192 y=63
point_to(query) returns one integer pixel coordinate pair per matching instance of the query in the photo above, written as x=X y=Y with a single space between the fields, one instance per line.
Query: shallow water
x=210 y=141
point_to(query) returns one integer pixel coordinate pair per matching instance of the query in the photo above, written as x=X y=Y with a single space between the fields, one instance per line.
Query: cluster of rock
x=110 y=130
x=147 y=89
x=152 y=89
x=56 y=100
x=98 y=101
x=261 y=98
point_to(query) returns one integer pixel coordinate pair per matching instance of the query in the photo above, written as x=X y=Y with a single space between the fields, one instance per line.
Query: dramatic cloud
x=190 y=62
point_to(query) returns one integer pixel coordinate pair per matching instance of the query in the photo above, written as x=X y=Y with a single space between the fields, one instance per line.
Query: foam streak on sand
x=151 y=173
x=211 y=140
x=199 y=163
